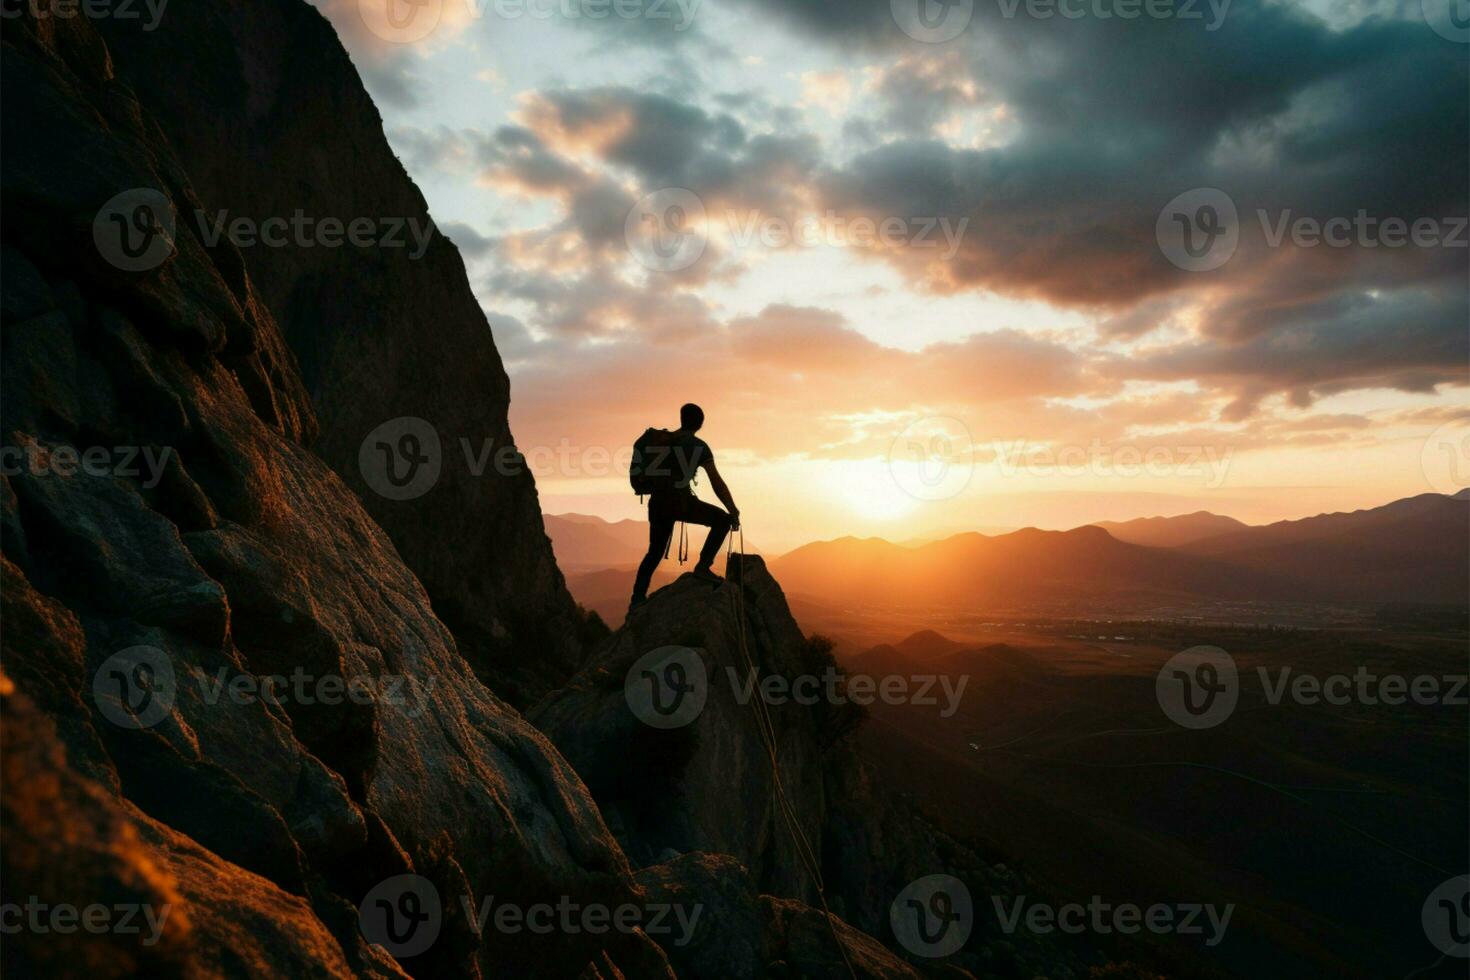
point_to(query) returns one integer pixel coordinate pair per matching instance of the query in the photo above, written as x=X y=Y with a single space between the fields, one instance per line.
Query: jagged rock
x=179 y=910
x=706 y=786
x=379 y=333
x=742 y=935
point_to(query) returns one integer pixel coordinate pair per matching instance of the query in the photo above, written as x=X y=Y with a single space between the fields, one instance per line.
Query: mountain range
x=1414 y=550
x=1411 y=550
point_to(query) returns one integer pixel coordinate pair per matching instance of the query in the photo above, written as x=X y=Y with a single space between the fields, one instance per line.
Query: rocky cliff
x=245 y=91
x=235 y=707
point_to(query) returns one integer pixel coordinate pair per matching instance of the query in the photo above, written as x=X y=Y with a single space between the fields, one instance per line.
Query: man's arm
x=723 y=492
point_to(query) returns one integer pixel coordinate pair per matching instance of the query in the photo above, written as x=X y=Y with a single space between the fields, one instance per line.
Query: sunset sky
x=1019 y=322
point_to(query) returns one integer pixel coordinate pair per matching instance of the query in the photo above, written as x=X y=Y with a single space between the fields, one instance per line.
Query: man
x=687 y=454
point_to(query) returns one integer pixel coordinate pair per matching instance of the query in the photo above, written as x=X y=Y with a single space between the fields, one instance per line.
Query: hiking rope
x=767 y=731
x=683 y=543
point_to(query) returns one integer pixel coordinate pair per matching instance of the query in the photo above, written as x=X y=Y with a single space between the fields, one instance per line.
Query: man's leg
x=660 y=529
x=718 y=522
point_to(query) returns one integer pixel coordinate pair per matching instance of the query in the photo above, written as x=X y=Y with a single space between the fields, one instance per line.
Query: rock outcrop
x=707 y=785
x=245 y=90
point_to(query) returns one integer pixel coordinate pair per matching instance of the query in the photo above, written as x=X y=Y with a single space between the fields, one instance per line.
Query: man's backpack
x=653 y=468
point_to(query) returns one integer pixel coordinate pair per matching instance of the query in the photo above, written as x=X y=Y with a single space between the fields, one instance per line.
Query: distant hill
x=584 y=543
x=1413 y=550
x=606 y=591
x=1023 y=567
x=1171 y=532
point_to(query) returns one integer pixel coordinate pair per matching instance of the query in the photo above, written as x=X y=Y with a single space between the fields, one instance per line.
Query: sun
x=869 y=490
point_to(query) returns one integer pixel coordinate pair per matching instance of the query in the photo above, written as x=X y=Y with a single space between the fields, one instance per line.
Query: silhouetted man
x=681 y=455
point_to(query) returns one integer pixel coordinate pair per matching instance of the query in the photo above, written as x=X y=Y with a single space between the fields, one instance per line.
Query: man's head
x=691 y=417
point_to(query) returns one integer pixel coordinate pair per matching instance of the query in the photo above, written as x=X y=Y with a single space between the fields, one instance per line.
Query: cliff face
x=245 y=91
x=144 y=603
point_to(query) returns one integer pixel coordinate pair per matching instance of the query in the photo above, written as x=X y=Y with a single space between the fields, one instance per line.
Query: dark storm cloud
x=1103 y=123
x=1413 y=341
